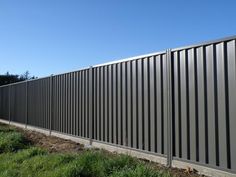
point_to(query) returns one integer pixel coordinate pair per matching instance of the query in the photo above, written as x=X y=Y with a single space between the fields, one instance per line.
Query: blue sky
x=54 y=36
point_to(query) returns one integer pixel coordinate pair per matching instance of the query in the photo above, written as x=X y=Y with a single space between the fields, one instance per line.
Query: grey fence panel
x=18 y=102
x=231 y=66
x=83 y=104
x=110 y=104
x=179 y=102
x=129 y=121
x=140 y=103
x=128 y=99
x=211 y=105
x=165 y=102
x=201 y=114
x=39 y=101
x=106 y=105
x=71 y=103
x=193 y=122
x=77 y=104
x=96 y=102
x=134 y=106
x=114 y=96
x=4 y=103
x=203 y=99
x=124 y=105
x=152 y=104
x=146 y=95
x=159 y=104
x=87 y=104
x=80 y=103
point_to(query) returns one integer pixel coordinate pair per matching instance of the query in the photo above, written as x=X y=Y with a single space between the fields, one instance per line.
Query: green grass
x=20 y=160
x=10 y=140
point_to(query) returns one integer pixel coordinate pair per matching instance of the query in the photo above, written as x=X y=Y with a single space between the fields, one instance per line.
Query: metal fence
x=179 y=104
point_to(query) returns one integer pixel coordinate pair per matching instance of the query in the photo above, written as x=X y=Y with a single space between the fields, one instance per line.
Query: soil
x=55 y=144
x=51 y=143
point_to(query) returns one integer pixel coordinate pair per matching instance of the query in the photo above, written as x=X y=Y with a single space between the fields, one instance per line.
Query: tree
x=12 y=78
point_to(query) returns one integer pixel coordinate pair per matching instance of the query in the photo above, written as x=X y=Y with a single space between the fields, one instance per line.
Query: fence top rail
x=205 y=43
x=130 y=59
x=133 y=58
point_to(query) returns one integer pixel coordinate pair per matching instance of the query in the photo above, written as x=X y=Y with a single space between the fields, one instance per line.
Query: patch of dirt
x=176 y=172
x=188 y=172
x=51 y=143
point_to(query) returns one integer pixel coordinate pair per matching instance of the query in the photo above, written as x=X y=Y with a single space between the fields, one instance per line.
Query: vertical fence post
x=26 y=106
x=9 y=104
x=90 y=104
x=51 y=105
x=169 y=109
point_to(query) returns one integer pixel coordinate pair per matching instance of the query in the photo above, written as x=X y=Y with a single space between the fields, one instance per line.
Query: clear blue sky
x=55 y=36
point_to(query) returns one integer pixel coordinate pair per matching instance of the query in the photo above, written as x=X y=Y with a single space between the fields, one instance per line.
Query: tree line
x=8 y=78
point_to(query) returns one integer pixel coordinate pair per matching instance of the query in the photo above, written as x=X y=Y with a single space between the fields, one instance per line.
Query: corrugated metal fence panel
x=18 y=102
x=130 y=104
x=38 y=93
x=70 y=103
x=203 y=103
x=4 y=103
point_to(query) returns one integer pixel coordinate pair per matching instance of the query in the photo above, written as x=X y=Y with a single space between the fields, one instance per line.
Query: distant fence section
x=178 y=104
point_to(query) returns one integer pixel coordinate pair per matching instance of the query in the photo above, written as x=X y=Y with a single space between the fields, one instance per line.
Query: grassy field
x=20 y=158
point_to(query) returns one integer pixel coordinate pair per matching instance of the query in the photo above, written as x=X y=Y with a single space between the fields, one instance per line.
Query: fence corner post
x=169 y=112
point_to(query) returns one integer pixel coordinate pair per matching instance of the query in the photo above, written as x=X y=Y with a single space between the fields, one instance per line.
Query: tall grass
x=38 y=163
